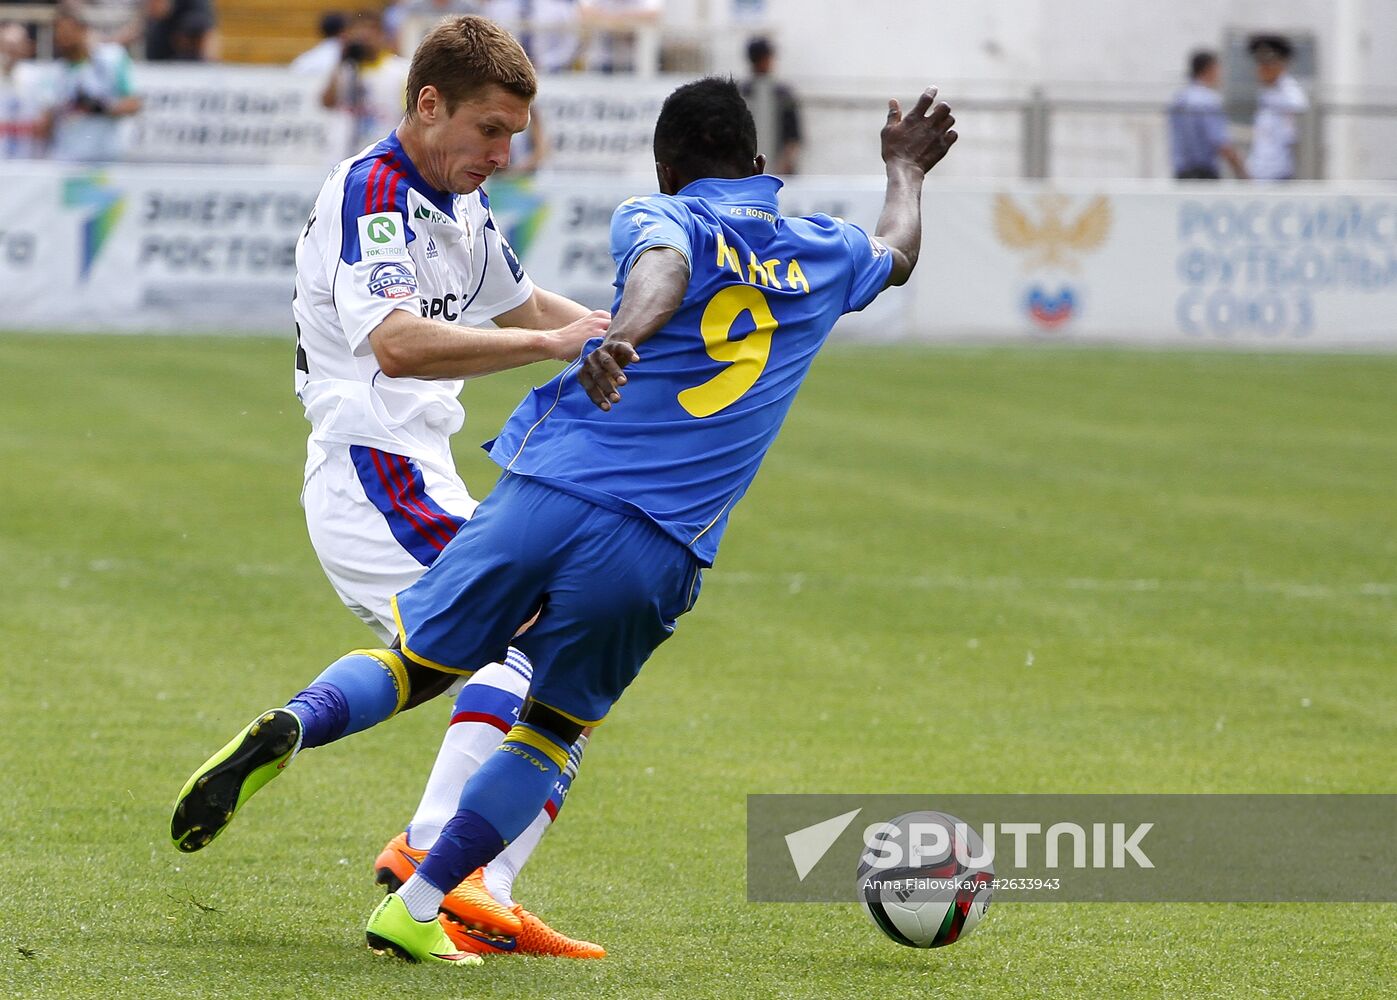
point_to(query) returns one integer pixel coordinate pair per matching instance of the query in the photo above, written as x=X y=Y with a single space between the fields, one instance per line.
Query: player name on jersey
x=762 y=272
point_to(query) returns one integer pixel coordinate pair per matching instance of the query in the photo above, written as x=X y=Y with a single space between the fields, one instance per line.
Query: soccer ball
x=914 y=883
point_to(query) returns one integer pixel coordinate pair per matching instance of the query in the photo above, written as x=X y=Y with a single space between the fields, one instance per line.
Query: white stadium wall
x=195 y=249
x=1100 y=51
x=1035 y=42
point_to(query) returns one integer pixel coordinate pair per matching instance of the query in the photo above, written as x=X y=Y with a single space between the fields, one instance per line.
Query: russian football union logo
x=392 y=281
x=1052 y=245
x=1048 y=310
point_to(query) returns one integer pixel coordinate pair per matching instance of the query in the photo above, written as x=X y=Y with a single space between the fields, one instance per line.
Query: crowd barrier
x=204 y=248
x=219 y=113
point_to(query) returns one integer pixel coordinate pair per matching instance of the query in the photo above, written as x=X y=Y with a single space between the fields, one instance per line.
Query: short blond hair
x=463 y=56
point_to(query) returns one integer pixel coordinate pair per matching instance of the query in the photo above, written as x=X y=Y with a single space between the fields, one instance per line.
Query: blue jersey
x=705 y=401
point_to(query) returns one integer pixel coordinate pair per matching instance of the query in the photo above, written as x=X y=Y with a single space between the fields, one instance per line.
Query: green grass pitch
x=1009 y=570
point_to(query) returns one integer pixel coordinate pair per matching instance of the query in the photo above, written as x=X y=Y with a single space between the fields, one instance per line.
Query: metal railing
x=1038 y=136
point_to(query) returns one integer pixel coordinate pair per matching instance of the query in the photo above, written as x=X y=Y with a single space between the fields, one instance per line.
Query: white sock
x=468 y=743
x=421 y=898
x=501 y=873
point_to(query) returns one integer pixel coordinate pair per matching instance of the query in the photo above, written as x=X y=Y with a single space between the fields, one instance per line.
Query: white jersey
x=381 y=239
x=1278 y=110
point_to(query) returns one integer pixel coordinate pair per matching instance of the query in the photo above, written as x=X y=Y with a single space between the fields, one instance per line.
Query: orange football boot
x=535 y=938
x=469 y=905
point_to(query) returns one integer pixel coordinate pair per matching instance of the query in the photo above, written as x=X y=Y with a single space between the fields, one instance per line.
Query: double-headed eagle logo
x=1051 y=241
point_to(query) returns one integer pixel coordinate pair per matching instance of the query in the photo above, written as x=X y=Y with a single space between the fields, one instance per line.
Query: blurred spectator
x=180 y=31
x=612 y=28
x=405 y=22
x=1198 y=126
x=92 y=92
x=1279 y=104
x=549 y=30
x=370 y=80
x=325 y=55
x=774 y=108
x=19 y=107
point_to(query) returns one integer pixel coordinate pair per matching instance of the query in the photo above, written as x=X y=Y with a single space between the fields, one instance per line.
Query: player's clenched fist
x=568 y=340
x=923 y=136
x=601 y=374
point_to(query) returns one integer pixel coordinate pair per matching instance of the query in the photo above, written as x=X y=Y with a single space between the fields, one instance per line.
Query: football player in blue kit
x=618 y=480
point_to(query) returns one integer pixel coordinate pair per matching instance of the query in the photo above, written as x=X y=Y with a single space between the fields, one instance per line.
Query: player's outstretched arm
x=408 y=346
x=543 y=310
x=653 y=292
x=911 y=146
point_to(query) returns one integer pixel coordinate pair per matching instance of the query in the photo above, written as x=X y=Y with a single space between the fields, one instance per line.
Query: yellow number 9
x=745 y=358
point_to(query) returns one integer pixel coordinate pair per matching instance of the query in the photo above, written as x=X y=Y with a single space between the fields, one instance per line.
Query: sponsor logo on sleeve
x=382 y=236
x=511 y=258
x=879 y=248
x=643 y=222
x=392 y=281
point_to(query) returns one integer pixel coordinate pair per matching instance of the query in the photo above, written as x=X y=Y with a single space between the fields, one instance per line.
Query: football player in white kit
x=399 y=265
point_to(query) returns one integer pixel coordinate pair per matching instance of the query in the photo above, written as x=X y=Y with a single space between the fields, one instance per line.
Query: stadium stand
x=271 y=32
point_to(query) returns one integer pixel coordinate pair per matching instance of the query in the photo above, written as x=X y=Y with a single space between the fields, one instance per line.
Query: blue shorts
x=610 y=587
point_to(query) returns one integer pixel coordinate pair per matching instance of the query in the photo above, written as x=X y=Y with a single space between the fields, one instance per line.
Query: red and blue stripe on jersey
x=394 y=486
x=379 y=182
x=381 y=185
x=376 y=183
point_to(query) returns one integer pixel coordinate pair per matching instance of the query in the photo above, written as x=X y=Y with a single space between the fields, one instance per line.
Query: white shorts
x=376 y=522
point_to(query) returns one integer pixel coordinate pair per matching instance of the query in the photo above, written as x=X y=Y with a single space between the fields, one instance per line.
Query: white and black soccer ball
x=914 y=882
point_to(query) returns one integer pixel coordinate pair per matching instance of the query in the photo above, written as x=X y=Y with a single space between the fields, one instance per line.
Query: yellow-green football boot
x=392 y=931
x=215 y=792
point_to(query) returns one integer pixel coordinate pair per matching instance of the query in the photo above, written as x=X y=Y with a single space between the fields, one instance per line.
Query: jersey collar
x=443 y=200
x=761 y=189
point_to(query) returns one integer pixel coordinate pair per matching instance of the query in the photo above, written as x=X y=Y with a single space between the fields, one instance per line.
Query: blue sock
x=357 y=691
x=466 y=842
x=499 y=801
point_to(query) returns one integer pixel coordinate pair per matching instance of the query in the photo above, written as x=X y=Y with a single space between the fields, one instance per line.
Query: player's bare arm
x=912 y=145
x=654 y=290
x=123 y=107
x=543 y=310
x=410 y=346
